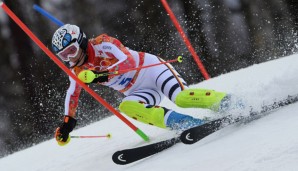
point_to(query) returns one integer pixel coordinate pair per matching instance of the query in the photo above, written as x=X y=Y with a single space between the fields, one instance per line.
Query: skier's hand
x=62 y=132
x=101 y=79
x=90 y=76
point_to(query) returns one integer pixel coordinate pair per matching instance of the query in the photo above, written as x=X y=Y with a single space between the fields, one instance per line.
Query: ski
x=195 y=134
x=127 y=156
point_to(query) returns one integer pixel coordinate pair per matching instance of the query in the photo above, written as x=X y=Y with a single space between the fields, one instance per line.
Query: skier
x=144 y=89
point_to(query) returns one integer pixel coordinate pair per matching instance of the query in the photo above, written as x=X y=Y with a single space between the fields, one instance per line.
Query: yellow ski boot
x=199 y=98
x=152 y=115
x=158 y=116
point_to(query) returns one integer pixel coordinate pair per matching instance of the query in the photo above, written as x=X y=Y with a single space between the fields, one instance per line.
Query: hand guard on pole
x=103 y=78
x=62 y=132
x=90 y=76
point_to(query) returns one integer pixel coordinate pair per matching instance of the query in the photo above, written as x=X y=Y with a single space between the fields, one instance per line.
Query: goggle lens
x=69 y=52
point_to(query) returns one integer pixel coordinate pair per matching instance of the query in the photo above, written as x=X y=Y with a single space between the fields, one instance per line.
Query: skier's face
x=78 y=60
x=69 y=51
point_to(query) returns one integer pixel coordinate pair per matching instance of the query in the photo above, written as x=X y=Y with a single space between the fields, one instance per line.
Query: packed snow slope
x=267 y=144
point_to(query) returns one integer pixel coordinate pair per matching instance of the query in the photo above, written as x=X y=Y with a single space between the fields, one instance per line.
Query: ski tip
x=187 y=138
x=1 y=3
x=119 y=158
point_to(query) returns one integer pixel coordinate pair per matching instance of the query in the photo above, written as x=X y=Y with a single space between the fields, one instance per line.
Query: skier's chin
x=79 y=62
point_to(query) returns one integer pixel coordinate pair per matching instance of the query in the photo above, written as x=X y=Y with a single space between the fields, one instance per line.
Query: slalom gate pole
x=186 y=40
x=48 y=15
x=66 y=70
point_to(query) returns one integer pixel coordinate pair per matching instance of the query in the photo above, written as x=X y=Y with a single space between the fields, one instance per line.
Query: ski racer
x=144 y=89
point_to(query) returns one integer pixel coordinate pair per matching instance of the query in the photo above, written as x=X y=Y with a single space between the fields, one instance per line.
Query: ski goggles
x=70 y=51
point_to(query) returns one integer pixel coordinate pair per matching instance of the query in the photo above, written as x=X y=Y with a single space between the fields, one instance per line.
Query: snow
x=267 y=144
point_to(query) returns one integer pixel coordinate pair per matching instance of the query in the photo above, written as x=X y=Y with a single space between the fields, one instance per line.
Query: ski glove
x=62 y=132
x=101 y=79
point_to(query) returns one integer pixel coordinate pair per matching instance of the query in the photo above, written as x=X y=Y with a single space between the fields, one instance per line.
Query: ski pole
x=91 y=136
x=178 y=59
x=87 y=76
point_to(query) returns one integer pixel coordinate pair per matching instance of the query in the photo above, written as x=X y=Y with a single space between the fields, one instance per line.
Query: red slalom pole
x=186 y=40
x=65 y=69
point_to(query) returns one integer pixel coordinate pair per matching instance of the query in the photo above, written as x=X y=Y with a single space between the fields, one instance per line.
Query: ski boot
x=178 y=121
x=200 y=98
x=158 y=116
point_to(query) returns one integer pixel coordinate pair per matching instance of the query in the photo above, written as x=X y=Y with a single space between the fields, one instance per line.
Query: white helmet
x=66 y=35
